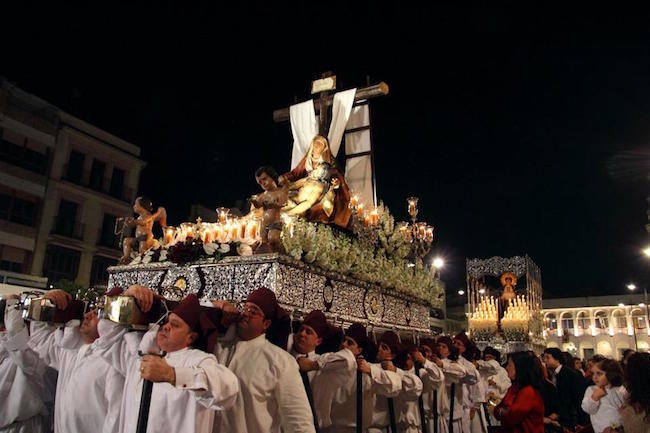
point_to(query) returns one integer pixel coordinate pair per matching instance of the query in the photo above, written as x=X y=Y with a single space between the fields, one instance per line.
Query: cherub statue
x=270 y=202
x=143 y=227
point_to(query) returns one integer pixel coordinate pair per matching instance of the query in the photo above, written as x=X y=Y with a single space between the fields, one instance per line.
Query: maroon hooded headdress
x=191 y=312
x=278 y=332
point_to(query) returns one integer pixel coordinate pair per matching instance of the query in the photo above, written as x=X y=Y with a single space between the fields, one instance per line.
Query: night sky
x=521 y=130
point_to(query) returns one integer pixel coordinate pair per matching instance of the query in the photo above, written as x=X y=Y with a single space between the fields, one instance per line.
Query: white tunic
x=470 y=393
x=604 y=412
x=407 y=408
x=380 y=411
x=271 y=396
x=202 y=385
x=379 y=382
x=88 y=389
x=334 y=371
x=454 y=372
x=22 y=391
x=432 y=380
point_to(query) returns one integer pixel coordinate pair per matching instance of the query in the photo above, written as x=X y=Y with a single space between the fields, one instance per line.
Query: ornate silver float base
x=300 y=288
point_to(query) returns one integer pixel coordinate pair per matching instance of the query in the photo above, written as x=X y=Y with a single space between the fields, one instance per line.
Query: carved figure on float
x=143 y=227
x=316 y=188
x=508 y=283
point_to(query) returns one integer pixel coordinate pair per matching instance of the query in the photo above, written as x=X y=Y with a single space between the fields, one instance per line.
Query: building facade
x=605 y=325
x=63 y=183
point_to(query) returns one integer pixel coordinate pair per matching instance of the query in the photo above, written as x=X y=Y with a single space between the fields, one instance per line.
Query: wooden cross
x=325 y=100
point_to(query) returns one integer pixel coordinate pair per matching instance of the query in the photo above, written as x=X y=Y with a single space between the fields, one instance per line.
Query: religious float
x=315 y=235
x=504 y=301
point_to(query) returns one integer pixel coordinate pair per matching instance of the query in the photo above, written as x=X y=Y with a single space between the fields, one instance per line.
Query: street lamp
x=437 y=264
x=461 y=292
x=644 y=304
x=646 y=251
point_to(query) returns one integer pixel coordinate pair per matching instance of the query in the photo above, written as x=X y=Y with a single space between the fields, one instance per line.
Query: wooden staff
x=310 y=397
x=435 y=411
x=145 y=402
x=451 y=408
x=391 y=415
x=423 y=418
x=359 y=401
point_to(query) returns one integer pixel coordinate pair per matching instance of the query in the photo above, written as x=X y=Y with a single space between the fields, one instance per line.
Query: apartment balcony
x=68 y=228
x=82 y=179
x=108 y=240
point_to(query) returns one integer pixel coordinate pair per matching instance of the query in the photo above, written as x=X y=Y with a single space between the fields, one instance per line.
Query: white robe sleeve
x=213 y=386
x=337 y=366
x=113 y=390
x=411 y=386
x=117 y=346
x=384 y=382
x=293 y=405
x=25 y=358
x=487 y=368
x=431 y=374
x=502 y=381
x=472 y=375
x=453 y=371
x=48 y=341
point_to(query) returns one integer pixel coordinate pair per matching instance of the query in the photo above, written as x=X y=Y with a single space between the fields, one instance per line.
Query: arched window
x=582 y=320
x=550 y=322
x=638 y=318
x=619 y=320
x=566 y=322
x=602 y=321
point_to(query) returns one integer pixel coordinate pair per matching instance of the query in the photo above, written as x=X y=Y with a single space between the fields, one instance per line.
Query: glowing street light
x=461 y=292
x=481 y=291
x=438 y=263
x=646 y=251
x=631 y=286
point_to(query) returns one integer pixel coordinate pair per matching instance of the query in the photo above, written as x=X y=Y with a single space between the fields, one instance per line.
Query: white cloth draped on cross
x=304 y=125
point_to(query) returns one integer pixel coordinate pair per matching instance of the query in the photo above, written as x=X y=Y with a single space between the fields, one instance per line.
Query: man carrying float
x=185 y=378
x=272 y=395
x=327 y=372
x=88 y=389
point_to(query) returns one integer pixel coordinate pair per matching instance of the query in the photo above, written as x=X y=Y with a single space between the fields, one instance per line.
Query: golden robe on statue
x=317 y=189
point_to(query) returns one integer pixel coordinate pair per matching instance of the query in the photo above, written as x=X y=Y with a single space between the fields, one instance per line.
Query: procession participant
x=375 y=381
x=604 y=400
x=272 y=395
x=453 y=372
x=493 y=377
x=72 y=351
x=184 y=376
x=327 y=372
x=407 y=403
x=472 y=393
x=432 y=381
x=23 y=406
x=389 y=348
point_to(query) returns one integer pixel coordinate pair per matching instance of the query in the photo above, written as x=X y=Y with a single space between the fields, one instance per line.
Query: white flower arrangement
x=386 y=264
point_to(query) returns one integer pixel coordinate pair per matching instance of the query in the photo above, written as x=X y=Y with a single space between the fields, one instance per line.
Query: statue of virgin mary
x=317 y=189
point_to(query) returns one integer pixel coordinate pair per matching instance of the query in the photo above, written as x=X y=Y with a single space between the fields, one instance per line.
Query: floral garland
x=376 y=254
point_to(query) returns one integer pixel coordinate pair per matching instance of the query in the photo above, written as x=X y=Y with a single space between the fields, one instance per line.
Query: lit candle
x=354 y=201
x=374 y=217
x=429 y=234
x=366 y=220
x=206 y=236
x=234 y=231
x=422 y=228
x=413 y=206
x=242 y=229
x=222 y=212
x=252 y=229
x=169 y=234
x=360 y=210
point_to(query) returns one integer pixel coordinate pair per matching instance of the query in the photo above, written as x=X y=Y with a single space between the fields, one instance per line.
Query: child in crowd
x=604 y=399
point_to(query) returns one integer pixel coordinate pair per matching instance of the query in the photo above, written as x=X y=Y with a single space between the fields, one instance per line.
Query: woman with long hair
x=522 y=408
x=636 y=414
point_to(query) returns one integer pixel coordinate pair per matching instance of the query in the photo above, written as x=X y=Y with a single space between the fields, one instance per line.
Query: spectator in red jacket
x=522 y=408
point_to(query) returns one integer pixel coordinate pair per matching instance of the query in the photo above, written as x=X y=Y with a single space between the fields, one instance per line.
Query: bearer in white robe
x=327 y=372
x=389 y=348
x=471 y=394
x=88 y=389
x=375 y=382
x=454 y=373
x=272 y=395
x=23 y=392
x=495 y=377
x=432 y=380
x=407 y=406
x=189 y=385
